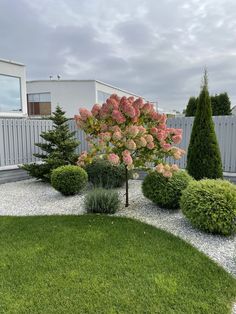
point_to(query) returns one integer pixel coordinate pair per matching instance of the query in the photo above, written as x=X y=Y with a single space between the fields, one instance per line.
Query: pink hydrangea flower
x=125 y=153
x=142 y=142
x=138 y=103
x=167 y=174
x=149 y=138
x=177 y=138
x=160 y=168
x=112 y=103
x=113 y=159
x=106 y=136
x=118 y=116
x=85 y=114
x=130 y=144
x=117 y=136
x=127 y=159
x=142 y=130
x=132 y=130
x=79 y=122
x=129 y=110
x=166 y=146
x=150 y=145
x=148 y=108
x=95 y=110
x=174 y=167
x=104 y=127
x=161 y=135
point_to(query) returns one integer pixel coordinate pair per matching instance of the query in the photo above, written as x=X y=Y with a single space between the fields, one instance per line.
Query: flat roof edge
x=12 y=62
x=97 y=81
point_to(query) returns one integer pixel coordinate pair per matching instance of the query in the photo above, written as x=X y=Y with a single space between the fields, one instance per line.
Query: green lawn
x=98 y=264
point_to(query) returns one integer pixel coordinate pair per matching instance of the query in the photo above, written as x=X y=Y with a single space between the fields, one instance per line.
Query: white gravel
x=34 y=198
x=29 y=197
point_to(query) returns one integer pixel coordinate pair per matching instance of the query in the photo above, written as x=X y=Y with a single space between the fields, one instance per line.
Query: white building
x=44 y=95
x=13 y=102
x=233 y=111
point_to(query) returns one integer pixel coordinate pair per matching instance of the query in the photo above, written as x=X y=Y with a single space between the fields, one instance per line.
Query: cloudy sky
x=155 y=48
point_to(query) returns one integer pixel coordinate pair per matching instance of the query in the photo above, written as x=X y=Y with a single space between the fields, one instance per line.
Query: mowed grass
x=98 y=264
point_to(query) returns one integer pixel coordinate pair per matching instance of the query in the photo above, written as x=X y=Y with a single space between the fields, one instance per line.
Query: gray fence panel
x=17 y=138
x=225 y=127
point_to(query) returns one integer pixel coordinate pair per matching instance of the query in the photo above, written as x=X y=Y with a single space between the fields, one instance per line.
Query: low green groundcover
x=98 y=264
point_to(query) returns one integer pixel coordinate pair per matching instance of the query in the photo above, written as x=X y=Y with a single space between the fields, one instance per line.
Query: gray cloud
x=157 y=49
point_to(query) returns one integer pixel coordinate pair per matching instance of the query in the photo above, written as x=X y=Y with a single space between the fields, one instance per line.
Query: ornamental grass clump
x=129 y=132
x=69 y=180
x=210 y=205
x=102 y=201
x=165 y=192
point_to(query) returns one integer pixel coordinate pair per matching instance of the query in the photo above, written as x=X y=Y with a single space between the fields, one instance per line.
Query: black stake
x=126 y=188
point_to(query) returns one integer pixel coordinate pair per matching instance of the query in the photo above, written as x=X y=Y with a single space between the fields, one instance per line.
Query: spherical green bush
x=165 y=192
x=210 y=205
x=102 y=173
x=69 y=180
x=102 y=201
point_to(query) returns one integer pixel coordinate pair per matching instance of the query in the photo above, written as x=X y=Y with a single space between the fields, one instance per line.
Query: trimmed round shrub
x=69 y=180
x=102 y=173
x=210 y=205
x=165 y=192
x=102 y=201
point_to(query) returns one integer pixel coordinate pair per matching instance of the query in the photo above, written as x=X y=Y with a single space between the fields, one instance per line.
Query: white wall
x=106 y=88
x=16 y=70
x=70 y=95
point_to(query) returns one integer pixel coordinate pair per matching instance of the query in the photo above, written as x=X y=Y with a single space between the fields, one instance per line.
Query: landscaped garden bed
x=32 y=198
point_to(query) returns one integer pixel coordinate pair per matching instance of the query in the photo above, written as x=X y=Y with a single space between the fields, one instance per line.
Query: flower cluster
x=129 y=131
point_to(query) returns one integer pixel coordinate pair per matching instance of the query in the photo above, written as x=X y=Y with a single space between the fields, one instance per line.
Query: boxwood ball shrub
x=101 y=173
x=165 y=192
x=69 y=180
x=210 y=205
x=102 y=201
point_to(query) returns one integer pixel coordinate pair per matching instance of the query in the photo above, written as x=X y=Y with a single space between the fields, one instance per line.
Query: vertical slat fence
x=17 y=138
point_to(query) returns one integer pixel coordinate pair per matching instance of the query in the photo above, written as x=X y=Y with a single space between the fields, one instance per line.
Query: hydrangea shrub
x=131 y=132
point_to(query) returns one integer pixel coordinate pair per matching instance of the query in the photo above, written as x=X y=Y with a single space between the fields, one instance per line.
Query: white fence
x=17 y=138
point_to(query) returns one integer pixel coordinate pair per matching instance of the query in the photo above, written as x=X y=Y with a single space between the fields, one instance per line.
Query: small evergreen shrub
x=210 y=205
x=57 y=149
x=102 y=201
x=165 y=192
x=69 y=180
x=102 y=173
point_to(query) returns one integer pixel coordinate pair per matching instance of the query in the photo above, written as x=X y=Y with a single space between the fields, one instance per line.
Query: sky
x=155 y=48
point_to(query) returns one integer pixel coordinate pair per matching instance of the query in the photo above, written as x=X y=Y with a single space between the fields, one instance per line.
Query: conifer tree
x=58 y=149
x=191 y=107
x=223 y=108
x=214 y=104
x=203 y=158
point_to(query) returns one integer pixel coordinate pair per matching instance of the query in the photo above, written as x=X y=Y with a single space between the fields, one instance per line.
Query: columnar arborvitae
x=191 y=107
x=58 y=150
x=203 y=159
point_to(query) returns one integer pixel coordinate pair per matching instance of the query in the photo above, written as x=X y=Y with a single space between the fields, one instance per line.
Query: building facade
x=13 y=102
x=44 y=95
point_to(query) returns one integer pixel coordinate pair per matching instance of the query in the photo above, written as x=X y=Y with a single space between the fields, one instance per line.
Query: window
x=10 y=93
x=39 y=104
x=102 y=96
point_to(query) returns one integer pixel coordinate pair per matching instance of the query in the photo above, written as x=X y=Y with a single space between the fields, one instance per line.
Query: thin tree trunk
x=126 y=188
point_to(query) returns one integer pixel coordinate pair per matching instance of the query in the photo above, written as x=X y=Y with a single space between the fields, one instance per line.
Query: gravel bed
x=34 y=198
